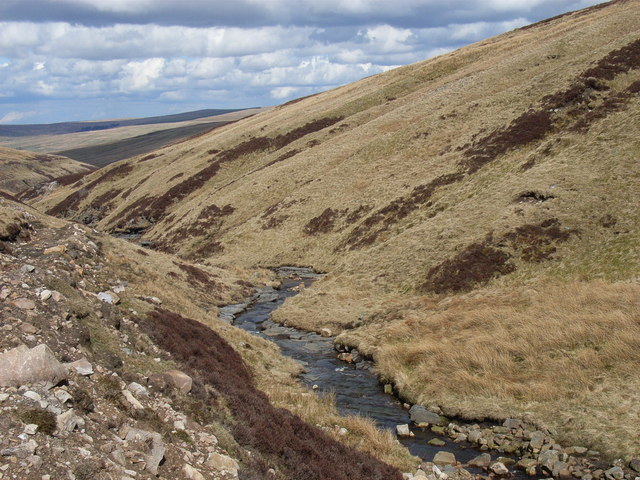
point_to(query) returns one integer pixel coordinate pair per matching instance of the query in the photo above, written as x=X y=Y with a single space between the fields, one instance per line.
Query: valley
x=462 y=242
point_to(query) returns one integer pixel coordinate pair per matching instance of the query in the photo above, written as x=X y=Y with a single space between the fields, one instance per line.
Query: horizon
x=93 y=60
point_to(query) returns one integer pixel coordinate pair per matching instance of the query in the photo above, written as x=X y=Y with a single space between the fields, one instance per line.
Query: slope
x=20 y=171
x=507 y=165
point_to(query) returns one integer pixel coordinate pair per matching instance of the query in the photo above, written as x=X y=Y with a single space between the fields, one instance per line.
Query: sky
x=66 y=60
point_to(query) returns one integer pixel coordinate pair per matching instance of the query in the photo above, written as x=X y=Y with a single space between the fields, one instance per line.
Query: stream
x=356 y=390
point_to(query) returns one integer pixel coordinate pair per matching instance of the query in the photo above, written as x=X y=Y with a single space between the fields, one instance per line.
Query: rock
x=388 y=388
x=36 y=397
x=109 y=297
x=526 y=463
x=403 y=430
x=537 y=440
x=191 y=473
x=171 y=378
x=232 y=310
x=68 y=421
x=137 y=389
x=499 y=468
x=436 y=442
x=26 y=268
x=56 y=249
x=223 y=464
x=24 y=303
x=481 y=461
x=131 y=400
x=474 y=436
x=150 y=444
x=506 y=461
x=21 y=451
x=82 y=367
x=345 y=357
x=512 y=423
x=57 y=296
x=31 y=429
x=423 y=417
x=614 y=473
x=24 y=366
x=325 y=332
x=635 y=465
x=28 y=328
x=45 y=295
x=547 y=460
x=444 y=458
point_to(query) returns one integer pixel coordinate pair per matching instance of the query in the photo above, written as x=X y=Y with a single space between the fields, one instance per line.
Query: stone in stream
x=481 y=461
x=436 y=442
x=423 y=417
x=444 y=458
x=403 y=431
x=499 y=468
x=537 y=440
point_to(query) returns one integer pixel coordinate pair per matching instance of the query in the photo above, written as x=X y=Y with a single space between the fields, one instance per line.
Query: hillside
x=475 y=212
x=20 y=171
x=91 y=388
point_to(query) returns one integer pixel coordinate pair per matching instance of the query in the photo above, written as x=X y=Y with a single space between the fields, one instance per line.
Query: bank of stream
x=356 y=388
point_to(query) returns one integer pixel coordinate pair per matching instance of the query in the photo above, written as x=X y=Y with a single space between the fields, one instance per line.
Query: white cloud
x=15 y=116
x=136 y=76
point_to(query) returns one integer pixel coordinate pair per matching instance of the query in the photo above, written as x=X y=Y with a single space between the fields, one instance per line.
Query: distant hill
x=89 y=126
x=21 y=171
x=106 y=153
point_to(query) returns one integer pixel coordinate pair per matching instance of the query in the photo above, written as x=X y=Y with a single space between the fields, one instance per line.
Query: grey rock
x=82 y=367
x=173 y=379
x=24 y=366
x=547 y=460
x=423 y=417
x=68 y=421
x=191 y=473
x=436 y=442
x=233 y=309
x=223 y=464
x=137 y=389
x=24 y=303
x=23 y=450
x=403 y=430
x=26 y=268
x=537 y=440
x=444 y=458
x=481 y=461
x=150 y=444
x=512 y=423
x=109 y=297
x=614 y=473
x=474 y=436
x=635 y=465
x=499 y=468
x=45 y=295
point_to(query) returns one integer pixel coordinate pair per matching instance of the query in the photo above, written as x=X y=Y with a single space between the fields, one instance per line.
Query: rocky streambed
x=448 y=448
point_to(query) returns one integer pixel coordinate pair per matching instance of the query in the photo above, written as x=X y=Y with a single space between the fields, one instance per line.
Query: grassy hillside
x=20 y=171
x=475 y=178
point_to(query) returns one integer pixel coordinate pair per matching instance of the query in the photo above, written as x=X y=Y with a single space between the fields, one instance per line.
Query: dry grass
x=554 y=351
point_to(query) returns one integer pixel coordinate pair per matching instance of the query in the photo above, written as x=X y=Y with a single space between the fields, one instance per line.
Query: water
x=356 y=391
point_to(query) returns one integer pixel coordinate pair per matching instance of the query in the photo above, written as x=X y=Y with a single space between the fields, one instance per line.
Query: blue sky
x=63 y=60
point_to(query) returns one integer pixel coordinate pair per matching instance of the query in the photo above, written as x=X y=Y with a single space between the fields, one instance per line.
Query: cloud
x=11 y=117
x=68 y=57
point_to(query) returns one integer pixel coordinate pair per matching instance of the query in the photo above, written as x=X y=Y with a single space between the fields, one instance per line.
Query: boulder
x=24 y=366
x=171 y=378
x=548 y=460
x=635 y=465
x=403 y=430
x=150 y=444
x=24 y=304
x=537 y=440
x=82 y=367
x=68 y=421
x=614 y=473
x=109 y=297
x=191 y=473
x=526 y=463
x=325 y=332
x=223 y=464
x=21 y=451
x=444 y=458
x=481 y=461
x=423 y=417
x=499 y=468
